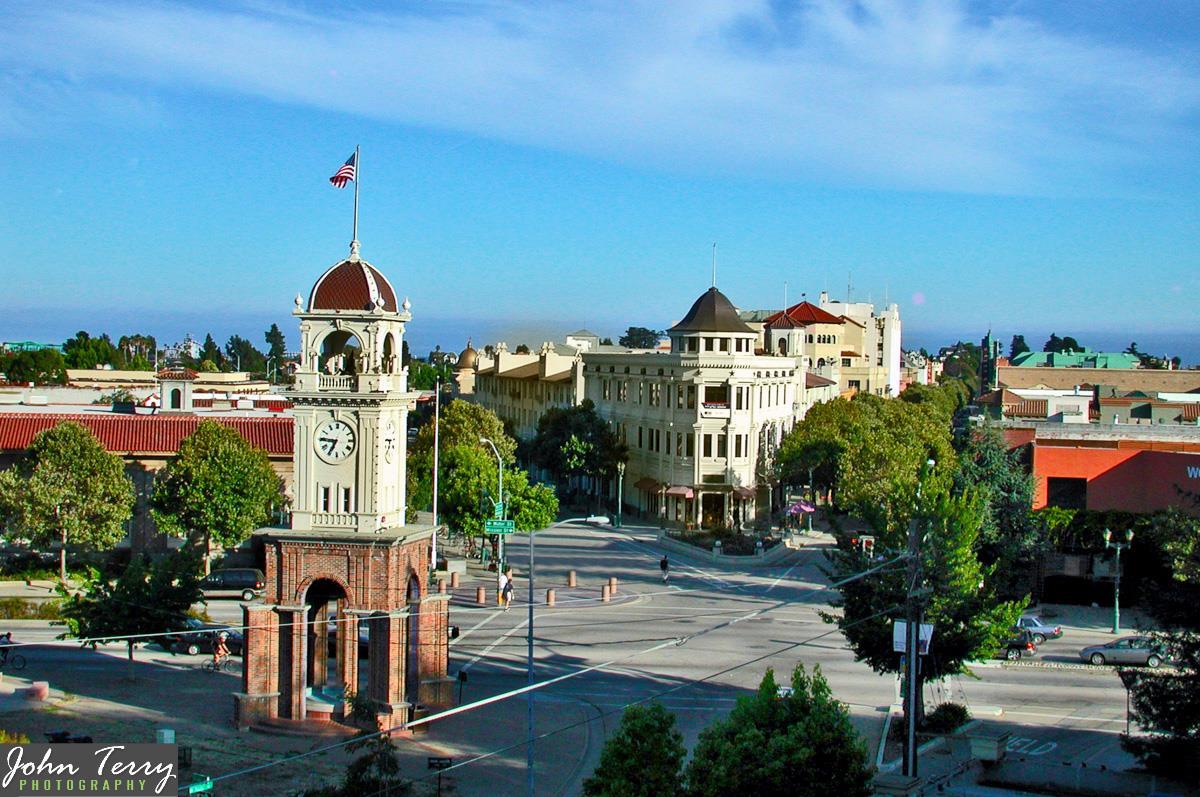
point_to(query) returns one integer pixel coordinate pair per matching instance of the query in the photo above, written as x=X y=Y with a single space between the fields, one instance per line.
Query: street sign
x=201 y=785
x=499 y=526
x=900 y=637
x=499 y=510
x=440 y=763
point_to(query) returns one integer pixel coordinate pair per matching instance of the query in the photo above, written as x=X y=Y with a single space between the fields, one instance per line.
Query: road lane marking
x=787 y=572
x=471 y=663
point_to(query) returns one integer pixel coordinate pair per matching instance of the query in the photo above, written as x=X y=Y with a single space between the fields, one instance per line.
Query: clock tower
x=349 y=571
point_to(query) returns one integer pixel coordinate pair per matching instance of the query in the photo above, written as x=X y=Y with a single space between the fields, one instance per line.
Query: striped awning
x=680 y=491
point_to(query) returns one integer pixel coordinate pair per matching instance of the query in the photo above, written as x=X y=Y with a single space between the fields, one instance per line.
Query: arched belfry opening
x=348 y=607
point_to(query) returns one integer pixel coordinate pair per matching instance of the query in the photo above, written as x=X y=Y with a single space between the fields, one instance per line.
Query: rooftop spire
x=714 y=280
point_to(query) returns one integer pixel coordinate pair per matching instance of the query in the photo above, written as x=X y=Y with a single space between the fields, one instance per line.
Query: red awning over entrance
x=680 y=491
x=745 y=493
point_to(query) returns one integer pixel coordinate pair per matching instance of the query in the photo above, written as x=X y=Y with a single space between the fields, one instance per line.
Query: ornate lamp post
x=1119 y=546
x=499 y=500
x=620 y=492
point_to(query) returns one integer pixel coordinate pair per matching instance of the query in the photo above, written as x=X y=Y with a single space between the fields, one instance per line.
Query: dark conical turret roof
x=712 y=312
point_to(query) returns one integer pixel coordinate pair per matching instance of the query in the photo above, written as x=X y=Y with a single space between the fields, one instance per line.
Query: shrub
x=8 y=737
x=946 y=718
x=24 y=609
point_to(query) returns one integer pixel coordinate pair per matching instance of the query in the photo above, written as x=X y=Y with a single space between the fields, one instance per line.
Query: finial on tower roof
x=354 y=250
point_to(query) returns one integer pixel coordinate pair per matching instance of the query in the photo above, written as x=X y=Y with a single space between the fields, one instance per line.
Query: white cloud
x=911 y=95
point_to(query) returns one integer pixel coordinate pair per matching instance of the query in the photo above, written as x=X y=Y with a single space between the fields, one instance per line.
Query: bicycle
x=225 y=663
x=13 y=661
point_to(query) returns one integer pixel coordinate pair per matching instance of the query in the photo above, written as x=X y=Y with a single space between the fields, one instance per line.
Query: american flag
x=346 y=173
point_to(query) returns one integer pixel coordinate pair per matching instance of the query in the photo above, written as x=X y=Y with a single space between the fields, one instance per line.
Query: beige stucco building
x=520 y=387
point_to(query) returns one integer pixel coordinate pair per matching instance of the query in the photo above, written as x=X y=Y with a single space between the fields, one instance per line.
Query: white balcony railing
x=335 y=519
x=338 y=382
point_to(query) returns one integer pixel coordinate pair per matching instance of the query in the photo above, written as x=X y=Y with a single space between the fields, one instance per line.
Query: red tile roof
x=352 y=285
x=146 y=434
x=178 y=373
x=803 y=314
x=812 y=380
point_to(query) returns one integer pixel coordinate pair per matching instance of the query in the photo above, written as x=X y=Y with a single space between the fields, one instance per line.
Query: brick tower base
x=347 y=582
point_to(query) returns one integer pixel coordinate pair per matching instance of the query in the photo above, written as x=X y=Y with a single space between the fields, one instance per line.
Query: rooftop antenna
x=714 y=281
x=785 y=287
x=849 y=276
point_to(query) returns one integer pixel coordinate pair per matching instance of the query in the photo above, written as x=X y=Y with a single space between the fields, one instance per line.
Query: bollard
x=549 y=597
x=481 y=596
x=570 y=578
x=454 y=580
x=441 y=586
x=612 y=585
x=604 y=594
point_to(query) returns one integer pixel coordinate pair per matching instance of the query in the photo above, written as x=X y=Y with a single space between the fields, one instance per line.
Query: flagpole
x=437 y=400
x=357 y=178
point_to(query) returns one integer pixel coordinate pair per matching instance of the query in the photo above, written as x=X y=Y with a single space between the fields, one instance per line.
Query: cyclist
x=220 y=650
x=6 y=641
x=665 y=567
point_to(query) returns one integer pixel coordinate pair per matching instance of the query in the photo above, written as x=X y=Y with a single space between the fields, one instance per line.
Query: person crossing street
x=665 y=567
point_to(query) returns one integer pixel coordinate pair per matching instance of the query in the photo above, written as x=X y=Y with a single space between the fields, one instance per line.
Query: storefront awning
x=646 y=483
x=680 y=491
x=745 y=493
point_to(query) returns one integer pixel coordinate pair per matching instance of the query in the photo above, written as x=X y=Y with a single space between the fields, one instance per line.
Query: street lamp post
x=620 y=492
x=499 y=500
x=598 y=520
x=1119 y=546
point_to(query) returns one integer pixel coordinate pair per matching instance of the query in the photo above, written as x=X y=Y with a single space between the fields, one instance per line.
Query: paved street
x=721 y=619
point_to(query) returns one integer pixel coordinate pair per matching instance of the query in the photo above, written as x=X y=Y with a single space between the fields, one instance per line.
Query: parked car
x=199 y=636
x=1126 y=650
x=1040 y=631
x=1019 y=645
x=235 y=582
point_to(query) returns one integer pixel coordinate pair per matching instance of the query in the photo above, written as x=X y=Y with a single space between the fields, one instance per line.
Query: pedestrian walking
x=665 y=567
x=502 y=586
x=508 y=592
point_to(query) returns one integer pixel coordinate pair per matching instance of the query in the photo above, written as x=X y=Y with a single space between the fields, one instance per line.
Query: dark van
x=235 y=582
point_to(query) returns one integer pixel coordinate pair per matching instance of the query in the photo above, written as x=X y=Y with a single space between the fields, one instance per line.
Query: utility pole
x=912 y=642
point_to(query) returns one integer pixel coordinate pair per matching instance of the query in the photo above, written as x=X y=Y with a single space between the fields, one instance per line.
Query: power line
x=542 y=684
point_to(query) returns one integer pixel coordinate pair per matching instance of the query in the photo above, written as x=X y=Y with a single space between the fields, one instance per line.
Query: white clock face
x=389 y=441
x=335 y=440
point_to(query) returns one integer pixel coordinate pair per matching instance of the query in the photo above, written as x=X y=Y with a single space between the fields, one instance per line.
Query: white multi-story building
x=520 y=387
x=701 y=420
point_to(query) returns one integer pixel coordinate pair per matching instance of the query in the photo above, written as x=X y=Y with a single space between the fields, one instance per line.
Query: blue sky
x=531 y=168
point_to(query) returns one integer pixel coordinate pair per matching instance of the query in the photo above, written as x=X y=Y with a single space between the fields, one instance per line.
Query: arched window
x=176 y=402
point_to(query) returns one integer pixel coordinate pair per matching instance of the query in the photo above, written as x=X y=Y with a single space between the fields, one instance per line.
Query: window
x=691 y=397
x=1066 y=493
x=724 y=344
x=679 y=397
x=708 y=445
x=640 y=445
x=693 y=345
x=622 y=391
x=324 y=499
x=641 y=392
x=716 y=396
x=346 y=505
x=738 y=394
x=737 y=446
x=607 y=390
x=845 y=362
x=691 y=445
x=722 y=450
x=679 y=445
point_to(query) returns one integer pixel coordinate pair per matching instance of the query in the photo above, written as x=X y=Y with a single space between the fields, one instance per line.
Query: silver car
x=1126 y=650
x=1038 y=629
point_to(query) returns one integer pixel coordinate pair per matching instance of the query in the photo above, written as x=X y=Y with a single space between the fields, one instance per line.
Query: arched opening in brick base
x=412 y=665
x=326 y=671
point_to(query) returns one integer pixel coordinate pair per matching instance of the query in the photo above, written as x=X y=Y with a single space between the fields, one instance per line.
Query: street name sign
x=499 y=526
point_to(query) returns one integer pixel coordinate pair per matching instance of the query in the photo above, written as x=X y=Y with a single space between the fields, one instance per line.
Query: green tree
x=145 y=599
x=468 y=472
x=869 y=450
x=576 y=442
x=84 y=351
x=424 y=376
x=1166 y=703
x=217 y=488
x=243 y=356
x=1018 y=346
x=970 y=619
x=1008 y=535
x=644 y=758
x=276 y=345
x=42 y=367
x=212 y=352
x=639 y=338
x=67 y=489
x=801 y=744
